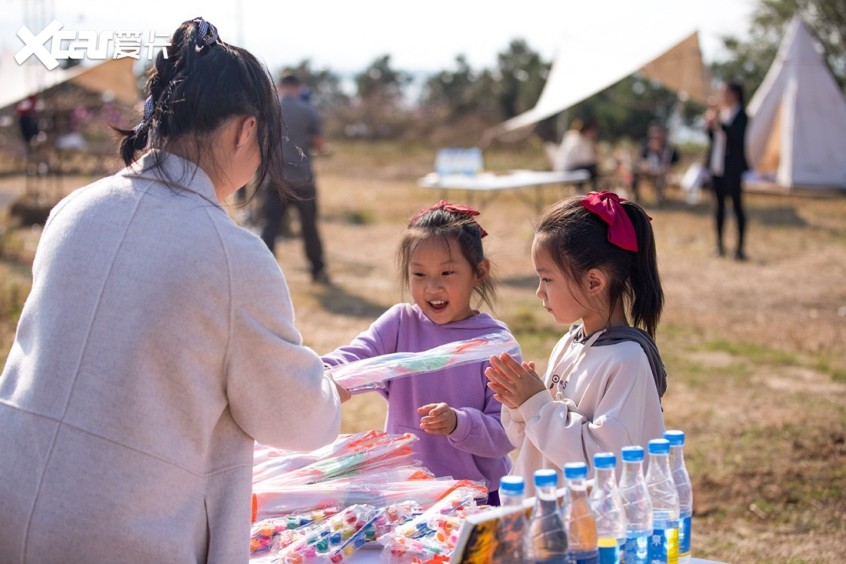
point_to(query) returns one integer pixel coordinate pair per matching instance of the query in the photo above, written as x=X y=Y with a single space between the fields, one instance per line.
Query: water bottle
x=511 y=529
x=578 y=516
x=607 y=506
x=664 y=546
x=547 y=539
x=684 y=489
x=637 y=506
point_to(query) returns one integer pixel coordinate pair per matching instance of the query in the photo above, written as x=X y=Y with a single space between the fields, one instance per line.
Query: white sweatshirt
x=602 y=398
x=157 y=344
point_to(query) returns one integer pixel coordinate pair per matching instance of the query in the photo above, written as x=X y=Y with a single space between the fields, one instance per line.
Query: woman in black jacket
x=727 y=160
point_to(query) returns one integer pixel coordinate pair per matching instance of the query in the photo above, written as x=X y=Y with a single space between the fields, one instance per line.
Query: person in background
x=655 y=159
x=451 y=411
x=727 y=161
x=302 y=136
x=158 y=342
x=27 y=114
x=595 y=257
x=578 y=151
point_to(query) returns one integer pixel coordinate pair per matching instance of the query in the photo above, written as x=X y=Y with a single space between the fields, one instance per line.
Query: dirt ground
x=755 y=350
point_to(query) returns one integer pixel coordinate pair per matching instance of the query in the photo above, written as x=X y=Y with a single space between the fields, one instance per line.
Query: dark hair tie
x=149 y=106
x=206 y=34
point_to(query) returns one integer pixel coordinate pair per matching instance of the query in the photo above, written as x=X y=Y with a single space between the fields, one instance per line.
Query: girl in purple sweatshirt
x=452 y=412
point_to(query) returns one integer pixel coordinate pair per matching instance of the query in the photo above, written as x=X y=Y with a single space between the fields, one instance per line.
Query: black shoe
x=719 y=251
x=321 y=278
x=740 y=256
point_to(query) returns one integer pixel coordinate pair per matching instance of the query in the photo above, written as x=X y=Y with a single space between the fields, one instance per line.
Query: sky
x=347 y=35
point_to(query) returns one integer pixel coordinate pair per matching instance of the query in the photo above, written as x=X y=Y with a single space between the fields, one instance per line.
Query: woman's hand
x=343 y=393
x=438 y=418
x=513 y=382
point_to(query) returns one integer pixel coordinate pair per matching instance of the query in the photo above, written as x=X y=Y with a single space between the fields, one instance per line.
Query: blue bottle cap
x=675 y=437
x=546 y=477
x=659 y=446
x=575 y=470
x=512 y=485
x=604 y=460
x=632 y=453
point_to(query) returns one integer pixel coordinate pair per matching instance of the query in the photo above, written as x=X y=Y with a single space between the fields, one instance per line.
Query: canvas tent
x=581 y=70
x=797 y=131
x=114 y=77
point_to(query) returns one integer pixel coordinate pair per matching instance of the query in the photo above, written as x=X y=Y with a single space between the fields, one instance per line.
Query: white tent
x=581 y=71
x=797 y=131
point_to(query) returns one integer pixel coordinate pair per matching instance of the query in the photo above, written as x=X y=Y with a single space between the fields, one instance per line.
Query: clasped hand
x=438 y=418
x=513 y=382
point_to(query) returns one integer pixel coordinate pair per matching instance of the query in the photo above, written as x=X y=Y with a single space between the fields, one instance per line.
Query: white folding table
x=490 y=185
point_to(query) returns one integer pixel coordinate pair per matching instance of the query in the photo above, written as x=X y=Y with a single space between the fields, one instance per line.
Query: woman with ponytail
x=158 y=342
x=595 y=257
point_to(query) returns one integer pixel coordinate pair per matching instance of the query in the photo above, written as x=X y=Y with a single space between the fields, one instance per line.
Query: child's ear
x=596 y=280
x=483 y=270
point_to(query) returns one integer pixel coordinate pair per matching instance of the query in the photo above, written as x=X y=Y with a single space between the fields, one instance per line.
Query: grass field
x=755 y=351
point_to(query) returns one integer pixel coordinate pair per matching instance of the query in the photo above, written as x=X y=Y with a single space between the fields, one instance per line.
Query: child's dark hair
x=446 y=222
x=577 y=240
x=201 y=83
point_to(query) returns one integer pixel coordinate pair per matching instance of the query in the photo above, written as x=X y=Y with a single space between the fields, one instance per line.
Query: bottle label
x=609 y=555
x=664 y=545
x=637 y=550
x=609 y=551
x=684 y=536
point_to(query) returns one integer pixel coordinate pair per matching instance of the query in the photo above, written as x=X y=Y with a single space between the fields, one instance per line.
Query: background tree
x=626 y=109
x=380 y=105
x=451 y=94
x=519 y=78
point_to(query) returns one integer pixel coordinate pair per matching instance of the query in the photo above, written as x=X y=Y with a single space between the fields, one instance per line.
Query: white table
x=491 y=185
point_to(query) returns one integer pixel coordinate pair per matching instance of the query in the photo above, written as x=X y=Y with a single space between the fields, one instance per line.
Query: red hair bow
x=451 y=208
x=607 y=206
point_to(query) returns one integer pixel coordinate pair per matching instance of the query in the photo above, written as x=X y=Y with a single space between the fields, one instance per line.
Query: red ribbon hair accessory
x=607 y=206
x=451 y=208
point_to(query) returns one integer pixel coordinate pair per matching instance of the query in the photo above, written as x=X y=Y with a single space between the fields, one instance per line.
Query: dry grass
x=755 y=350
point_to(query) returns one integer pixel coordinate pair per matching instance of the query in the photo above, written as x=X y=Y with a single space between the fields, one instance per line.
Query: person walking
x=301 y=134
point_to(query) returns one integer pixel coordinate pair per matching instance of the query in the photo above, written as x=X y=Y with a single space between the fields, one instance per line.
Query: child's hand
x=512 y=382
x=438 y=418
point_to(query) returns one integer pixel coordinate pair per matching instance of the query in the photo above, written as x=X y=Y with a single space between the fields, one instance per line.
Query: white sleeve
x=626 y=413
x=277 y=390
x=512 y=419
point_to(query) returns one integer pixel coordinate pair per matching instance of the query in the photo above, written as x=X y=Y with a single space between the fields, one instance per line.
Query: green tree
x=519 y=78
x=379 y=110
x=626 y=109
x=452 y=93
x=381 y=80
x=749 y=59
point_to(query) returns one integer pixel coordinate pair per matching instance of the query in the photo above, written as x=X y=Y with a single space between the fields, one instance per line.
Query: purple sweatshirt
x=478 y=447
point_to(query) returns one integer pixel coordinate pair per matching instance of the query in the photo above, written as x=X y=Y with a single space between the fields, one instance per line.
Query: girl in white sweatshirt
x=595 y=257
